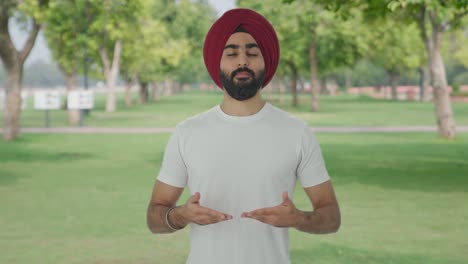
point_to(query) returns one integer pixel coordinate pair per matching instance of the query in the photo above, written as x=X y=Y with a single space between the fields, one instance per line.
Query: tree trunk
x=70 y=84
x=156 y=92
x=424 y=81
x=111 y=72
x=168 y=87
x=275 y=86
x=293 y=83
x=176 y=87
x=128 y=93
x=13 y=61
x=394 y=77
x=12 y=106
x=269 y=89
x=144 y=93
x=315 y=87
x=348 y=79
x=282 y=91
x=323 y=86
x=443 y=105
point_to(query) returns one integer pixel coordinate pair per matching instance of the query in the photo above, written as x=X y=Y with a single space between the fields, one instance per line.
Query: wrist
x=298 y=219
x=178 y=215
x=172 y=219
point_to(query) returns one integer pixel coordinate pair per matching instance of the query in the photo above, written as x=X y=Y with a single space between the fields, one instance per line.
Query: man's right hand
x=193 y=212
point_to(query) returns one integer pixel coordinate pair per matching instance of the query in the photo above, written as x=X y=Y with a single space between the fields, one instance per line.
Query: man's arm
x=324 y=219
x=165 y=197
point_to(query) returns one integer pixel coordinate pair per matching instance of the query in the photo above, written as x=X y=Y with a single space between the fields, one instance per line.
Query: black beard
x=242 y=90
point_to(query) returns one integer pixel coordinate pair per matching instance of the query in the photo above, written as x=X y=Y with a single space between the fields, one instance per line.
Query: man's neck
x=232 y=107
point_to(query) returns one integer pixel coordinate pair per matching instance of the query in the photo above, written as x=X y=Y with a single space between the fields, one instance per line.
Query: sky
x=41 y=52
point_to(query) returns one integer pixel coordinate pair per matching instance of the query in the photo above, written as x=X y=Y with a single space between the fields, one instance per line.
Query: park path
x=156 y=130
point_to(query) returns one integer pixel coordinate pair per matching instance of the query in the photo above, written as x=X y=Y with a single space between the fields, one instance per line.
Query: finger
x=195 y=198
x=264 y=219
x=209 y=218
x=262 y=211
x=286 y=199
x=213 y=213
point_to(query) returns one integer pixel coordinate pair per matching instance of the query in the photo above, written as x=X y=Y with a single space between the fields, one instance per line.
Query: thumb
x=195 y=198
x=285 y=198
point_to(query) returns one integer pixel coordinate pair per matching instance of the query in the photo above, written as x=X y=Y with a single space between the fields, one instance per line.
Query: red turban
x=252 y=22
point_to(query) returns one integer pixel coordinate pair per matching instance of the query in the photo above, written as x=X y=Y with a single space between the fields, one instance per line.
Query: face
x=242 y=67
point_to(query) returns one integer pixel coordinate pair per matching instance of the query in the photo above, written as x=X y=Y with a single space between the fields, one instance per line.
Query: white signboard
x=24 y=99
x=81 y=99
x=47 y=100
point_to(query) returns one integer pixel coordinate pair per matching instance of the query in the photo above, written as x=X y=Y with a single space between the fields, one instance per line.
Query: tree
x=65 y=32
x=434 y=18
x=151 y=49
x=308 y=31
x=441 y=15
x=395 y=47
x=32 y=14
x=111 y=21
x=191 y=20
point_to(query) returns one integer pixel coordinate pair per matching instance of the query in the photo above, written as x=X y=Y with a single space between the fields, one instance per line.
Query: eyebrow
x=247 y=46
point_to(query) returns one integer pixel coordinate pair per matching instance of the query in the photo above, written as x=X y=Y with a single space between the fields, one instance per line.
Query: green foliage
x=35 y=9
x=339 y=43
x=148 y=48
x=395 y=46
x=65 y=32
x=168 y=41
x=189 y=21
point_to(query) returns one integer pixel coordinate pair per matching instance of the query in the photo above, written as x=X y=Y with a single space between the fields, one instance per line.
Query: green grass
x=82 y=199
x=343 y=110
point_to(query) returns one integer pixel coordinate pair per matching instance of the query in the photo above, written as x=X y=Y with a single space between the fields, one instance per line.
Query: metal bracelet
x=167 y=219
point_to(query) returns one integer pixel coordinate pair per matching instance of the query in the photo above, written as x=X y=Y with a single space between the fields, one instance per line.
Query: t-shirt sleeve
x=311 y=169
x=173 y=169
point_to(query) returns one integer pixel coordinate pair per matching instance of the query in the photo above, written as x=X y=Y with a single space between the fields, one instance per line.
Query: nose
x=243 y=61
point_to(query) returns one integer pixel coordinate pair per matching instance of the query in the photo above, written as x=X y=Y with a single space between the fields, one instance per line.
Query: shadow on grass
x=325 y=253
x=33 y=155
x=422 y=167
x=23 y=155
x=8 y=177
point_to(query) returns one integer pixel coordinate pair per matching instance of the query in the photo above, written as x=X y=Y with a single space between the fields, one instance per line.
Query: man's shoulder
x=286 y=119
x=199 y=120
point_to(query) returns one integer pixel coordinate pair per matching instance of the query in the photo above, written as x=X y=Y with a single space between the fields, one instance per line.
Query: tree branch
x=23 y=54
x=455 y=19
x=105 y=60
x=7 y=48
x=421 y=20
x=117 y=52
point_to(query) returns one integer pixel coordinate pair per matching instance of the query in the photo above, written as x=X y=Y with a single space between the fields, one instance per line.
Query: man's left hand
x=283 y=215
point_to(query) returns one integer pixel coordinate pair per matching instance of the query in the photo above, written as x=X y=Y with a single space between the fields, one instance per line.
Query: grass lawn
x=343 y=110
x=82 y=199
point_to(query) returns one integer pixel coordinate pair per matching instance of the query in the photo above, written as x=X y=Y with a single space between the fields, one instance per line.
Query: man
x=241 y=159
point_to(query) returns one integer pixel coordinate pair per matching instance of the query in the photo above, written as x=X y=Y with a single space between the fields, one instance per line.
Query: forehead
x=240 y=38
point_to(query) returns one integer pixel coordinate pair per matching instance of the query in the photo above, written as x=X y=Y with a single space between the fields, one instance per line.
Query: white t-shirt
x=239 y=164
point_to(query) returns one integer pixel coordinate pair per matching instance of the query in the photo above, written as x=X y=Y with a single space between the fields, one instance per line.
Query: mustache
x=243 y=69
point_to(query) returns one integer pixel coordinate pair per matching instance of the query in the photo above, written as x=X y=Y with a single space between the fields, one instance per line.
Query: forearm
x=156 y=219
x=323 y=220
